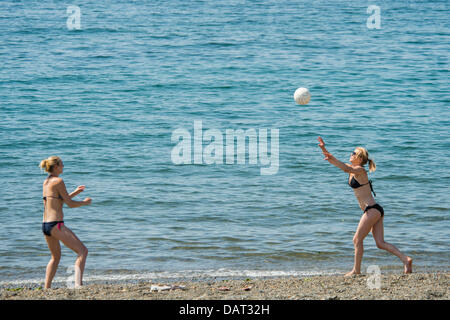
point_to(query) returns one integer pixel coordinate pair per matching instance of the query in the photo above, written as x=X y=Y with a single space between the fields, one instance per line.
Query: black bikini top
x=59 y=197
x=355 y=184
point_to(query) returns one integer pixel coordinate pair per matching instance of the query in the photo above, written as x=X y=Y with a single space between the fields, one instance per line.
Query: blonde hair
x=49 y=164
x=363 y=154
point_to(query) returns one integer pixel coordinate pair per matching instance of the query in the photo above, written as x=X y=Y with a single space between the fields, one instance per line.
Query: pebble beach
x=420 y=286
x=180 y=120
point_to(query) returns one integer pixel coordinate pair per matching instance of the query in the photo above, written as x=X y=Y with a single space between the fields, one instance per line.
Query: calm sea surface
x=106 y=98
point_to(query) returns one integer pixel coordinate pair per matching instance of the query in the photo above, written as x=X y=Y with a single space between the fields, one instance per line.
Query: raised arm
x=322 y=145
x=61 y=187
x=343 y=166
x=77 y=191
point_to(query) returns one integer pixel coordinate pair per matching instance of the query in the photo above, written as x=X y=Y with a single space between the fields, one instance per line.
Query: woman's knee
x=357 y=241
x=83 y=251
x=56 y=258
x=381 y=244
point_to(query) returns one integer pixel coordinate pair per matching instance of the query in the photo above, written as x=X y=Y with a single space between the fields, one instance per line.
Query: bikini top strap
x=371 y=188
x=45 y=201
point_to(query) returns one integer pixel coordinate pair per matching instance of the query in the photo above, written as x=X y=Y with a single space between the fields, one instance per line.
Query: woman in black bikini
x=54 y=195
x=372 y=218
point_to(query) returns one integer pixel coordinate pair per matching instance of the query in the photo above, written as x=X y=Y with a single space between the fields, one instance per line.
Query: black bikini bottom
x=375 y=206
x=48 y=226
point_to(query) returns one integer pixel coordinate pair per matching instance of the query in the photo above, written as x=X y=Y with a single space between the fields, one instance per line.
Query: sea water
x=107 y=94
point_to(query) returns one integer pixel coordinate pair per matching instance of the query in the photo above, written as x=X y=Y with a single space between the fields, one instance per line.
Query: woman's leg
x=378 y=235
x=70 y=240
x=368 y=219
x=55 y=250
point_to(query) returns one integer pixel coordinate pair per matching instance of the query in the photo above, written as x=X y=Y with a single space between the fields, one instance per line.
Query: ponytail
x=49 y=164
x=364 y=155
x=372 y=165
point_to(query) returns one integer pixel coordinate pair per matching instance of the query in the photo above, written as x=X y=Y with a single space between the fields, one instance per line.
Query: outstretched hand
x=321 y=143
x=328 y=156
x=80 y=189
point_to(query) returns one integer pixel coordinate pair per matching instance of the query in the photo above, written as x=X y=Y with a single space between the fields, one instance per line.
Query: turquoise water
x=107 y=98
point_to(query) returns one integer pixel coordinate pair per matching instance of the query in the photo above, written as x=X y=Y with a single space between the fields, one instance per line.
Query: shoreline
x=415 y=286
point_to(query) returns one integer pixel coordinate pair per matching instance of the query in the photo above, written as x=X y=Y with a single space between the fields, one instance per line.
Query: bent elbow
x=71 y=204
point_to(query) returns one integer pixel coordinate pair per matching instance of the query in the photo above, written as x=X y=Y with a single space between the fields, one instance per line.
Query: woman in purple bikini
x=54 y=196
x=372 y=218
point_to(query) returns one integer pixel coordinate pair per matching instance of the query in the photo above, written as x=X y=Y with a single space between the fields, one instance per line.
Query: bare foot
x=408 y=265
x=351 y=273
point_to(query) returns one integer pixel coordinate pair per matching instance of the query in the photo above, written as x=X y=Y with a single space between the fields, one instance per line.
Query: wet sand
x=426 y=286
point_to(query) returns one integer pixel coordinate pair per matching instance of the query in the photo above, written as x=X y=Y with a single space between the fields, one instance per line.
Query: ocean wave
x=111 y=276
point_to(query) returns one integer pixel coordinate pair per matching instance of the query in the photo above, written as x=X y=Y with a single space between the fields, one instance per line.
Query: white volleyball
x=302 y=96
